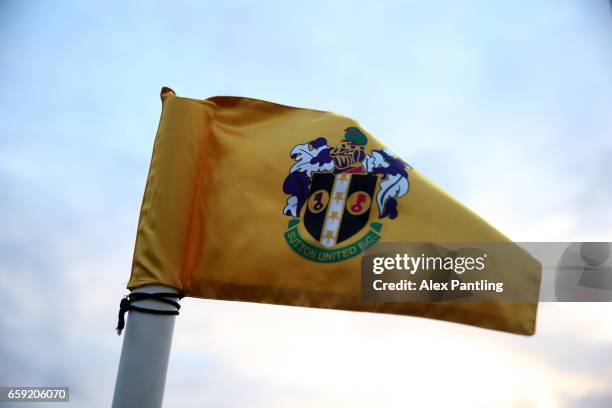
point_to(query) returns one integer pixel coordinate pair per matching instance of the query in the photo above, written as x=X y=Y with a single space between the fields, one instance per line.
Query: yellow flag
x=254 y=201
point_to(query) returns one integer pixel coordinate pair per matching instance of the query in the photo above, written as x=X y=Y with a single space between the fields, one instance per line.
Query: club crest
x=336 y=191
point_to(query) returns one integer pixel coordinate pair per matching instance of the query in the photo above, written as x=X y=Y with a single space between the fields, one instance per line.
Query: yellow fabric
x=212 y=222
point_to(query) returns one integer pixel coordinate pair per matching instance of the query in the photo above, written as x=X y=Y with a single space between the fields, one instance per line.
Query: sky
x=505 y=105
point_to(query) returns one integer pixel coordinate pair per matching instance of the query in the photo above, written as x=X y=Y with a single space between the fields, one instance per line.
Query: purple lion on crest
x=317 y=156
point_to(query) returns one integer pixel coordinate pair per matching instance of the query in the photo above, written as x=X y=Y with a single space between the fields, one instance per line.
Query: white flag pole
x=141 y=376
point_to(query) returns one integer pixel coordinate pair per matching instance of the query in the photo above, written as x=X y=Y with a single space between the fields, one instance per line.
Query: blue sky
x=503 y=104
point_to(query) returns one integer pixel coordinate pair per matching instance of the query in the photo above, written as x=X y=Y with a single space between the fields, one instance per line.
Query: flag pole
x=143 y=364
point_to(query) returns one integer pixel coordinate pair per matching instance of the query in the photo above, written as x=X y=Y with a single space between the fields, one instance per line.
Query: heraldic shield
x=338 y=206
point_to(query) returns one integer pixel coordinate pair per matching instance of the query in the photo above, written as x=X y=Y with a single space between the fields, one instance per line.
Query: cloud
x=594 y=400
x=505 y=106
